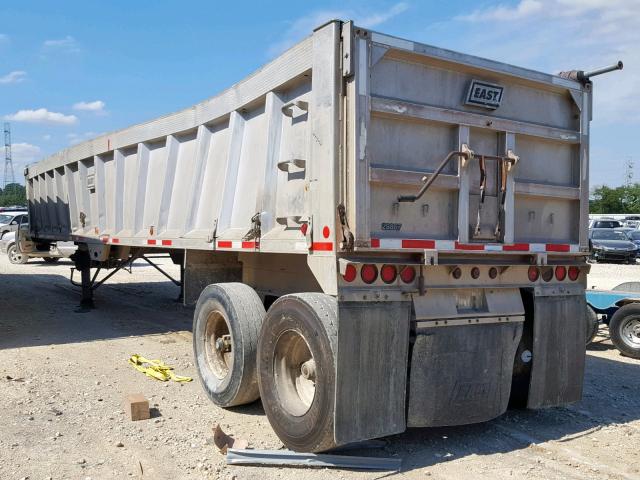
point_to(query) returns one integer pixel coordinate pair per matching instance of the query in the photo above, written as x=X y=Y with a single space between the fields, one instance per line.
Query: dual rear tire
x=286 y=356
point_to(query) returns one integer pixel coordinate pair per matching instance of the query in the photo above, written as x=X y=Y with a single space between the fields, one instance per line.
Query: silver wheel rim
x=218 y=345
x=294 y=373
x=15 y=256
x=631 y=332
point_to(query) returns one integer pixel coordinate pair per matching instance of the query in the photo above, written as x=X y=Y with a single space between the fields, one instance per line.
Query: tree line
x=13 y=194
x=623 y=199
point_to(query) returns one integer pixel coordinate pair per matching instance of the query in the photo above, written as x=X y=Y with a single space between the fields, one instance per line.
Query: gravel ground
x=64 y=374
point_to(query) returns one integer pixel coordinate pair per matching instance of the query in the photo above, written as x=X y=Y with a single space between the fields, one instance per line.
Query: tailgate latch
x=347 y=236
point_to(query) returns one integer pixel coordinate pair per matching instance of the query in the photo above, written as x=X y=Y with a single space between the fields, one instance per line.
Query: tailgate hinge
x=347 y=236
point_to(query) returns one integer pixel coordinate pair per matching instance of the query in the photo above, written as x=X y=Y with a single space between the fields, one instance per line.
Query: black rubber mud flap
x=461 y=374
x=371 y=373
x=557 y=370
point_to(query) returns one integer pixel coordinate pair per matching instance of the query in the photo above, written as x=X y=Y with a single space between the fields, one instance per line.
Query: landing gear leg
x=82 y=260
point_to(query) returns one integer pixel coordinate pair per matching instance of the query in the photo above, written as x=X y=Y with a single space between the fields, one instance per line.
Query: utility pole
x=9 y=177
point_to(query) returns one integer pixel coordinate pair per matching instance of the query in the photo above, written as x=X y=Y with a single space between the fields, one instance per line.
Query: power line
x=9 y=177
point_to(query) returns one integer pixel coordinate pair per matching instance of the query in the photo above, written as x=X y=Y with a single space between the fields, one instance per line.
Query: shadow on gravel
x=42 y=309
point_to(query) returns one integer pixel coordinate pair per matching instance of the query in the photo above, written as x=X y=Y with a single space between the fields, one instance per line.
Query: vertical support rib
x=236 y=132
x=72 y=198
x=60 y=202
x=141 y=187
x=100 y=193
x=83 y=196
x=267 y=199
x=118 y=158
x=463 y=195
x=508 y=142
x=361 y=129
x=52 y=215
x=584 y=170
x=171 y=150
x=203 y=143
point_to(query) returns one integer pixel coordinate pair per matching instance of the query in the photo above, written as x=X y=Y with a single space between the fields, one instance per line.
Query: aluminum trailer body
x=300 y=184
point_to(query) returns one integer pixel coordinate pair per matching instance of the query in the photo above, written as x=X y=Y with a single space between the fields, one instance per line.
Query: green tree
x=13 y=194
x=623 y=199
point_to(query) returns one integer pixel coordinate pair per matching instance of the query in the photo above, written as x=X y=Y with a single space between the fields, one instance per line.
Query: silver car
x=55 y=251
x=9 y=221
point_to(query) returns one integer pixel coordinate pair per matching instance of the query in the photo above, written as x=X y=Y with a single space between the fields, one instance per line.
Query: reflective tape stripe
x=469 y=246
x=322 y=246
x=450 y=245
x=237 y=244
x=554 y=247
x=516 y=247
x=429 y=244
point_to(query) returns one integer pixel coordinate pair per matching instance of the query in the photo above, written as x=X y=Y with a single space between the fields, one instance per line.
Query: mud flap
x=557 y=370
x=371 y=370
x=461 y=374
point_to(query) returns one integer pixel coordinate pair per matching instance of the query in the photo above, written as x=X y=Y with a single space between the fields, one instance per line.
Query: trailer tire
x=296 y=369
x=624 y=329
x=226 y=325
x=592 y=324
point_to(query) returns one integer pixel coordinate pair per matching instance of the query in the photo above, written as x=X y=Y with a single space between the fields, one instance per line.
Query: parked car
x=608 y=244
x=49 y=253
x=634 y=236
x=9 y=221
x=606 y=223
x=13 y=208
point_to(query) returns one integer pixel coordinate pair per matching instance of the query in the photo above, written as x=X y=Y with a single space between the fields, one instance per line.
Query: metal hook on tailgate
x=483 y=187
x=465 y=153
x=506 y=164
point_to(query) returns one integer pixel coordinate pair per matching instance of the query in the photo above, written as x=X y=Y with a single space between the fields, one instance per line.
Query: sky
x=72 y=70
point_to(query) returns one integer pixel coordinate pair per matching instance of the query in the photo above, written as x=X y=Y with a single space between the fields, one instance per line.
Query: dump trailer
x=376 y=233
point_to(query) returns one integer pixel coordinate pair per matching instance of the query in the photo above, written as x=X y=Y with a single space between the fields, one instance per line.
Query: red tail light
x=533 y=274
x=388 y=273
x=350 y=273
x=456 y=273
x=408 y=274
x=475 y=272
x=561 y=273
x=493 y=273
x=369 y=273
x=547 y=274
x=574 y=273
x=303 y=228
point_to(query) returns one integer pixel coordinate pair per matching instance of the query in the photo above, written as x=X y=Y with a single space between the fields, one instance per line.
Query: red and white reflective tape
x=149 y=241
x=455 y=246
x=156 y=242
x=235 y=245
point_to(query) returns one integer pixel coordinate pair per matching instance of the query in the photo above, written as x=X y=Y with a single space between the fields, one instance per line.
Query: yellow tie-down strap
x=156 y=369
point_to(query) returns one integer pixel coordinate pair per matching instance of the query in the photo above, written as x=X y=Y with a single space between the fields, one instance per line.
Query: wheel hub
x=295 y=372
x=218 y=345
x=631 y=332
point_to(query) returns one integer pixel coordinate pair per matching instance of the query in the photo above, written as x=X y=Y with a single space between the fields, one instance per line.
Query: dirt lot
x=63 y=376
